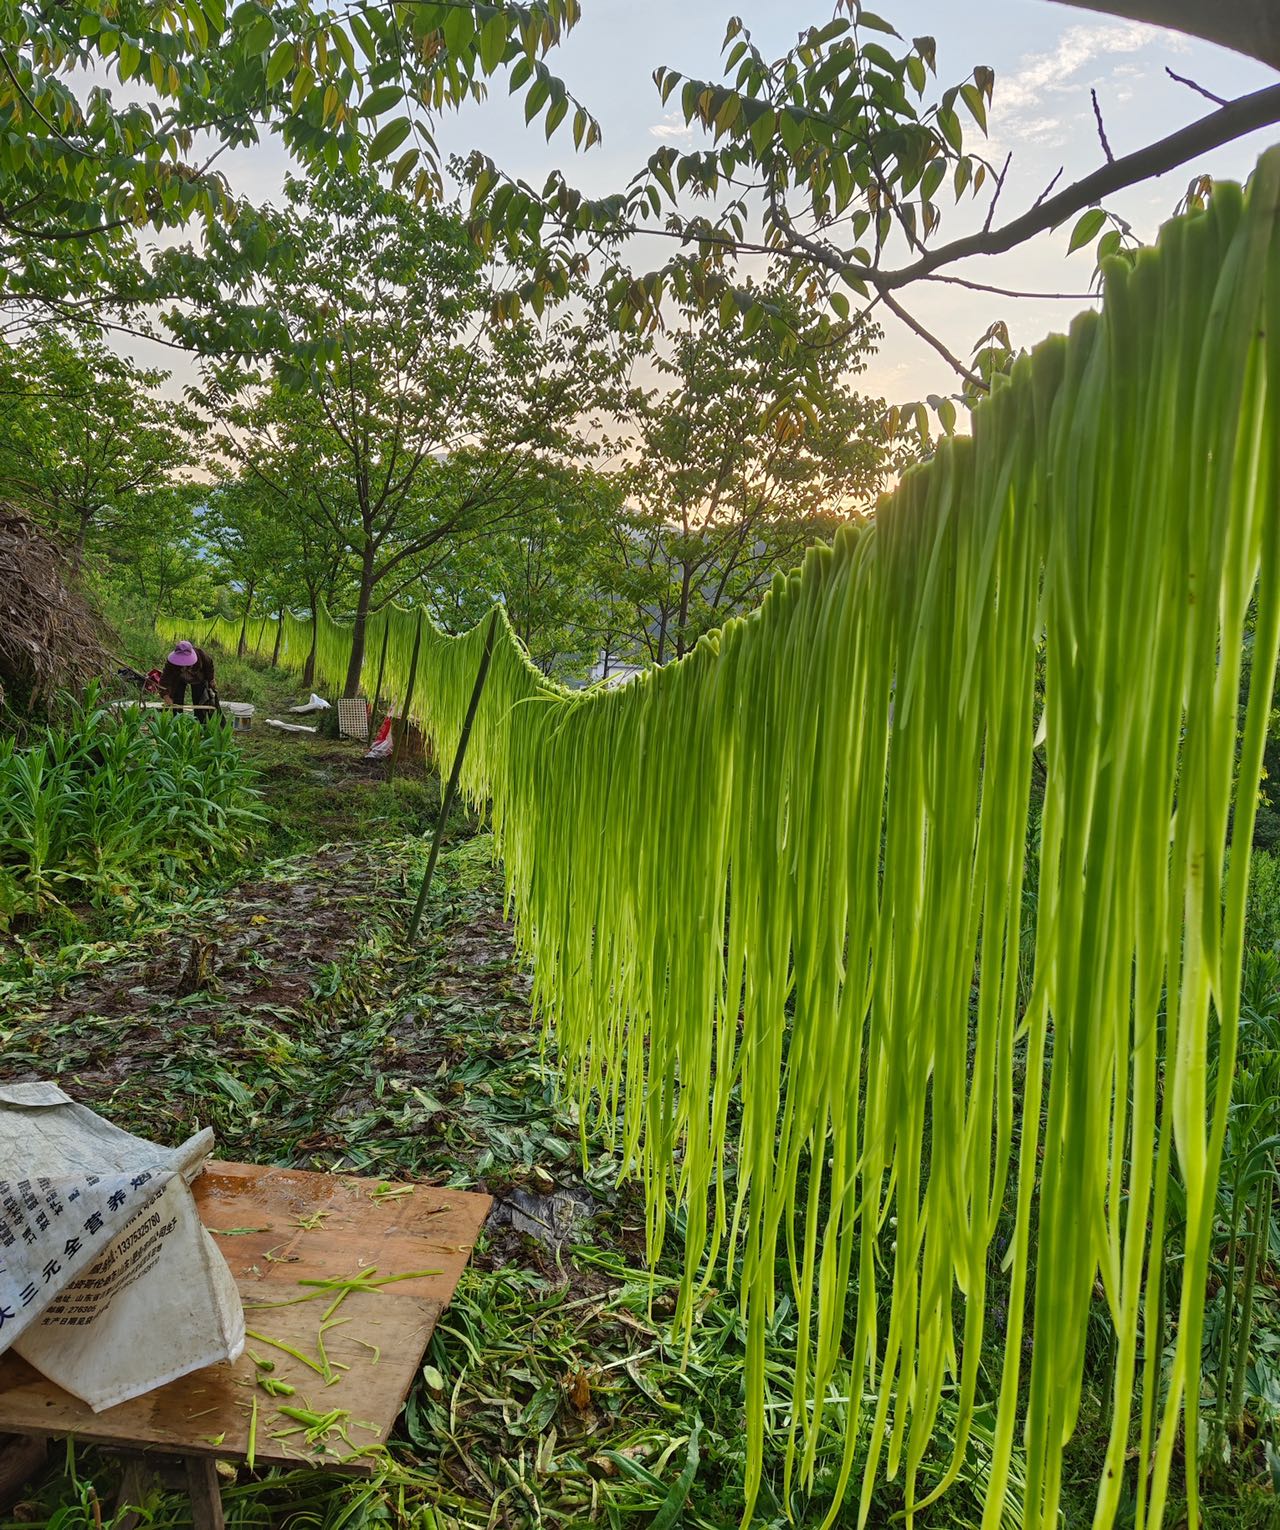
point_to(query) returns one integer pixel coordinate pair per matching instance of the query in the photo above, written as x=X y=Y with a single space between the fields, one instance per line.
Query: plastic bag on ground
x=382 y=744
x=109 y=1284
x=316 y=704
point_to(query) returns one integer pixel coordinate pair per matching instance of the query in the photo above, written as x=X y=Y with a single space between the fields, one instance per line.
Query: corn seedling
x=110 y=805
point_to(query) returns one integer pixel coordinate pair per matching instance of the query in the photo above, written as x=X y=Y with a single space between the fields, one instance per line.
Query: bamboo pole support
x=446 y=802
x=399 y=732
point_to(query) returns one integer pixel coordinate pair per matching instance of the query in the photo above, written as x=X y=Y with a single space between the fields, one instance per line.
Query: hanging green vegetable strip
x=792 y=866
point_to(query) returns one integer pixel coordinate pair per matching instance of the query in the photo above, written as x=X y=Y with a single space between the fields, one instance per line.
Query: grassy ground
x=285 y=1011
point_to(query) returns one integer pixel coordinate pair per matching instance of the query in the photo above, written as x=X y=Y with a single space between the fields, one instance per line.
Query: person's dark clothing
x=175 y=679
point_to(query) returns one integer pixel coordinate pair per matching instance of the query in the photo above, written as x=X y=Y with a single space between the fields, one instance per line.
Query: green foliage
x=735 y=473
x=86 y=442
x=843 y=137
x=1262 y=916
x=552 y=566
x=1247 y=1365
x=108 y=804
x=802 y=887
x=156 y=558
x=83 y=166
x=383 y=419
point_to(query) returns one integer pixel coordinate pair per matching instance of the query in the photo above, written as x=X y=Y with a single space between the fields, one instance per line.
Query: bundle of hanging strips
x=793 y=865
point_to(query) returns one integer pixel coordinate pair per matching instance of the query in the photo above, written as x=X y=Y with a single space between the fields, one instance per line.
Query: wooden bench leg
x=206 y=1495
x=135 y=1487
x=142 y=1473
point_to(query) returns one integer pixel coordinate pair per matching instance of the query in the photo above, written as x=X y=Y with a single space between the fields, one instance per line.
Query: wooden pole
x=382 y=667
x=400 y=732
x=446 y=802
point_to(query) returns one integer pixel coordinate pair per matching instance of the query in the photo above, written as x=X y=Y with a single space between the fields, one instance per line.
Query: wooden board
x=276 y=1227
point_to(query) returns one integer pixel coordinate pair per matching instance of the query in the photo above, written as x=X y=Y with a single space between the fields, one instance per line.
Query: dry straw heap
x=50 y=636
x=794 y=864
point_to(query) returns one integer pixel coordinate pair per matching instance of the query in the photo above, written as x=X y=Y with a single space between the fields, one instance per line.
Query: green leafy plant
x=86 y=164
x=1251 y=1151
x=108 y=803
x=1262 y=920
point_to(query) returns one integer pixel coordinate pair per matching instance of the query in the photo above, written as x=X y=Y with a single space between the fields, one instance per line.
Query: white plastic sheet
x=109 y=1284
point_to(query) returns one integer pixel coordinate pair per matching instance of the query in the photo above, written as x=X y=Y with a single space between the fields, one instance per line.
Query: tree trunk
x=275 y=652
x=242 y=647
x=352 y=686
x=682 y=620
x=309 y=668
x=81 y=539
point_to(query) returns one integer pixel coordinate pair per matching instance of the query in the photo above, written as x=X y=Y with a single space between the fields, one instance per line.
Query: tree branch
x=1199 y=89
x=1102 y=132
x=1251 y=27
x=1243 y=115
x=917 y=328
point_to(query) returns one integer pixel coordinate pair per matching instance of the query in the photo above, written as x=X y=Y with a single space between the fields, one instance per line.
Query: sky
x=1046 y=58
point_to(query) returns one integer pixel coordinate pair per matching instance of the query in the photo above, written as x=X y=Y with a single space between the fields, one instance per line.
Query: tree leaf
x=282 y=61
x=493 y=42
x=381 y=100
x=389 y=138
x=1088 y=225
x=556 y=115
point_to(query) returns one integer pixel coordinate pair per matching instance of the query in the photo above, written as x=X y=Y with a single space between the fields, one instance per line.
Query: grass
x=553 y=1391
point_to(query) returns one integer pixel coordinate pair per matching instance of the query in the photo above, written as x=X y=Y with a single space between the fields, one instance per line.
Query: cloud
x=1040 y=130
x=1044 y=100
x=672 y=125
x=1039 y=74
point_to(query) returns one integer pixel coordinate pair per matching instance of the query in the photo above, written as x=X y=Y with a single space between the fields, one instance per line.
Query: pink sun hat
x=184 y=655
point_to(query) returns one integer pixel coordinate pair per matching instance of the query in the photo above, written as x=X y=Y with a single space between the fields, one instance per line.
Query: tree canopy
x=838 y=159
x=84 y=166
x=358 y=377
x=85 y=436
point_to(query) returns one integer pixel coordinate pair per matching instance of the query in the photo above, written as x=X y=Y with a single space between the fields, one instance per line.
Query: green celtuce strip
x=288 y=1349
x=794 y=866
x=343 y=1287
x=318 y=1426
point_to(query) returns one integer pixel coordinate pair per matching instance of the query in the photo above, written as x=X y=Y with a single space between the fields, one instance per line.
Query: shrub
x=1262 y=914
x=108 y=804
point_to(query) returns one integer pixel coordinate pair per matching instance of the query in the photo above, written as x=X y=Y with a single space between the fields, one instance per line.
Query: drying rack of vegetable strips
x=804 y=886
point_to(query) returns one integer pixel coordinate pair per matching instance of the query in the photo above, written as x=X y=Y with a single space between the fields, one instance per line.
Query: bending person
x=189 y=665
